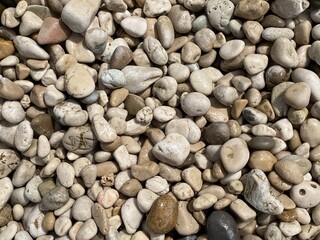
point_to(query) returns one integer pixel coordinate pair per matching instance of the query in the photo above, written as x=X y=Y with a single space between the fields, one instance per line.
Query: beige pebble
x=231 y=49
x=190 y=53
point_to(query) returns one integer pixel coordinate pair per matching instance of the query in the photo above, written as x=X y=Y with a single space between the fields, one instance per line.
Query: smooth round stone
x=100 y=217
x=181 y=19
x=272 y=33
x=179 y=72
x=79 y=140
x=217 y=133
x=219 y=14
x=163 y=215
x=33 y=221
x=108 y=196
x=145 y=199
x=66 y=174
x=164 y=113
x=6 y=190
x=62 y=225
x=154 y=8
x=309 y=131
x=42 y=125
x=55 y=199
x=201 y=82
x=135 y=26
x=221 y=225
x=165 y=31
x=28 y=48
x=185 y=127
x=251 y=10
x=284 y=129
x=255 y=63
x=87 y=230
x=120 y=57
x=165 y=88
x=190 y=53
x=81 y=209
x=234 y=155
x=6 y=214
x=298 y=95
x=9 y=162
x=24 y=135
x=13 y=112
x=78 y=81
x=263 y=160
x=284 y=53
x=231 y=49
x=254 y=116
x=225 y=94
x=186 y=223
x=113 y=78
x=261 y=143
x=195 y=104
x=289 y=170
x=10 y=90
x=131 y=215
x=305 y=194
x=289 y=8
x=96 y=40
x=157 y=185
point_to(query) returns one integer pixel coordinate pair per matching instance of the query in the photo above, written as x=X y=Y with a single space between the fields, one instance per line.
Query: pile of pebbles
x=162 y=120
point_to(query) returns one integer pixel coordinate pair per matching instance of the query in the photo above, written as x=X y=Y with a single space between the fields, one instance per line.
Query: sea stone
x=289 y=8
x=173 y=150
x=28 y=48
x=9 y=161
x=163 y=215
x=221 y=225
x=6 y=190
x=257 y=193
x=55 y=199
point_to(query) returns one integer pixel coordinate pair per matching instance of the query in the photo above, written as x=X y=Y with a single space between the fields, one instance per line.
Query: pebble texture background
x=159 y=119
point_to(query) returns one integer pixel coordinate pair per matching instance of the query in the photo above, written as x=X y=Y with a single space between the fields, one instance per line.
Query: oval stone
x=261 y=143
x=221 y=225
x=163 y=215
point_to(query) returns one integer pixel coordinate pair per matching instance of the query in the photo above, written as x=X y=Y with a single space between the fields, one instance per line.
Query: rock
x=221 y=225
x=24 y=135
x=195 y=104
x=32 y=221
x=263 y=160
x=6 y=48
x=140 y=78
x=289 y=8
x=65 y=174
x=87 y=230
x=5 y=215
x=234 y=155
x=181 y=19
x=172 y=150
x=304 y=194
x=131 y=215
x=78 y=15
x=185 y=127
x=298 y=95
x=100 y=217
x=6 y=190
x=10 y=90
x=217 y=133
x=28 y=48
x=81 y=209
x=193 y=177
x=135 y=26
x=165 y=31
x=219 y=14
x=96 y=40
x=55 y=199
x=154 y=8
x=113 y=79
x=52 y=31
x=255 y=63
x=257 y=193
x=145 y=199
x=284 y=53
x=251 y=9
x=231 y=49
x=78 y=81
x=163 y=215
x=186 y=224
x=309 y=131
x=261 y=143
x=42 y=125
x=107 y=197
x=103 y=130
x=155 y=51
x=9 y=160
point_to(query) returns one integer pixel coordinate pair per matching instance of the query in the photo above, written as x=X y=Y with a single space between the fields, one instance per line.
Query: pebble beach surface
x=159 y=119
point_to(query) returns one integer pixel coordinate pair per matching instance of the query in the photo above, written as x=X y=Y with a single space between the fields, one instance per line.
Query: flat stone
x=231 y=49
x=309 y=131
x=261 y=143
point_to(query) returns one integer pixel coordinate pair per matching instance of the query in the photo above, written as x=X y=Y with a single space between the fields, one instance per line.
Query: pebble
x=78 y=81
x=289 y=8
x=303 y=194
x=190 y=53
x=74 y=16
x=234 y=155
x=28 y=48
x=201 y=82
x=165 y=88
x=186 y=224
x=257 y=193
x=195 y=104
x=6 y=190
x=131 y=215
x=33 y=221
x=87 y=230
x=308 y=132
x=172 y=150
x=163 y=215
x=62 y=225
x=255 y=63
x=219 y=14
x=193 y=177
x=225 y=94
x=263 y=160
x=24 y=135
x=181 y=18
x=283 y=53
x=107 y=197
x=135 y=26
x=52 y=31
x=54 y=199
x=182 y=191
x=81 y=209
x=66 y=174
x=273 y=33
x=298 y=95
x=153 y=8
x=231 y=49
x=140 y=78
x=9 y=162
x=251 y=10
x=261 y=143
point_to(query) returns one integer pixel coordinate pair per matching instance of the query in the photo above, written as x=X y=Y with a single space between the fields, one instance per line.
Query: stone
x=33 y=221
x=303 y=194
x=107 y=197
x=5 y=215
x=131 y=215
x=231 y=49
x=66 y=174
x=251 y=9
x=261 y=143
x=283 y=53
x=165 y=30
x=273 y=33
x=157 y=185
x=24 y=135
x=100 y=217
x=140 y=78
x=263 y=160
x=172 y=150
x=257 y=193
x=153 y=8
x=278 y=103
x=309 y=131
x=255 y=63
x=135 y=26
x=165 y=88
x=28 y=48
x=234 y=155
x=145 y=171
x=78 y=15
x=9 y=160
x=289 y=8
x=145 y=199
x=195 y=104
x=190 y=53
x=78 y=81
x=226 y=95
x=121 y=57
x=298 y=95
x=42 y=125
x=186 y=224
x=219 y=13
x=181 y=18
x=102 y=129
x=6 y=190
x=55 y=199
x=6 y=48
x=81 y=209
x=193 y=177
x=88 y=230
x=163 y=215
x=53 y=31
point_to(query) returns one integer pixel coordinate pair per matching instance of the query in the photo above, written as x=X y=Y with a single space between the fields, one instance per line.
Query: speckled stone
x=221 y=225
x=163 y=215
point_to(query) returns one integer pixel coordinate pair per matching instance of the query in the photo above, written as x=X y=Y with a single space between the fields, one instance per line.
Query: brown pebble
x=36 y=96
x=133 y=104
x=42 y=125
x=163 y=215
x=110 y=147
x=117 y=96
x=288 y=215
x=6 y=48
x=263 y=160
x=144 y=171
x=9 y=90
x=121 y=57
x=106 y=167
x=48 y=221
x=131 y=187
x=5 y=215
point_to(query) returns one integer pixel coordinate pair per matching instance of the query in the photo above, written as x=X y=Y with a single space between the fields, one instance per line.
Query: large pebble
x=304 y=194
x=221 y=225
x=140 y=78
x=173 y=150
x=81 y=209
x=220 y=13
x=289 y=171
x=135 y=26
x=87 y=230
x=298 y=95
x=284 y=53
x=257 y=193
x=104 y=131
x=289 y=8
x=186 y=224
x=24 y=135
x=6 y=190
x=55 y=199
x=13 y=112
x=66 y=174
x=234 y=155
x=154 y=8
x=78 y=81
x=33 y=221
x=78 y=15
x=9 y=160
x=195 y=104
x=251 y=9
x=163 y=215
x=131 y=215
x=28 y=48
x=309 y=131
x=155 y=51
x=185 y=127
x=231 y=49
